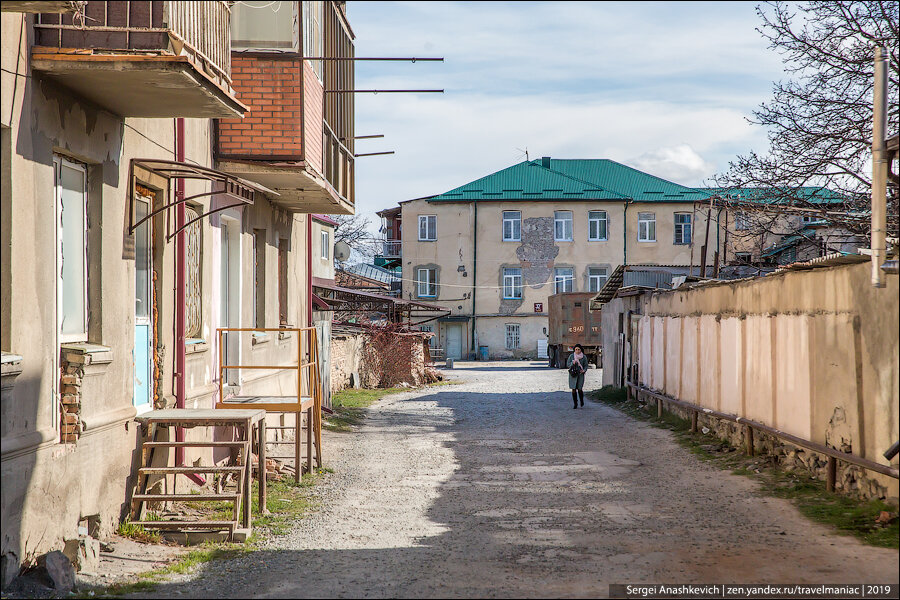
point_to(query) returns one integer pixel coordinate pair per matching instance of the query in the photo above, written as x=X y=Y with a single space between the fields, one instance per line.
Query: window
x=512 y=283
x=313 y=32
x=71 y=202
x=597 y=222
x=325 y=244
x=682 y=228
x=265 y=26
x=562 y=226
x=512 y=336
x=563 y=278
x=427 y=280
x=646 y=227
x=742 y=258
x=283 y=281
x=512 y=226
x=193 y=299
x=807 y=219
x=259 y=295
x=427 y=228
x=596 y=278
x=741 y=221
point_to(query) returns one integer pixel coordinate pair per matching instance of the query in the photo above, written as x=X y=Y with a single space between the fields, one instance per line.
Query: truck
x=572 y=322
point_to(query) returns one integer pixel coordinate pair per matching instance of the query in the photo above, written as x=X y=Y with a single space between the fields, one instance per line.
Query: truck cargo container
x=572 y=322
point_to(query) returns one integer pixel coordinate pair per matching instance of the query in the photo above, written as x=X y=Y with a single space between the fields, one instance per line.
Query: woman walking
x=577 y=364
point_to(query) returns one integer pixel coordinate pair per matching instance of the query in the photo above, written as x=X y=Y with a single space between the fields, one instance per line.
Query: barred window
x=512 y=336
x=193 y=317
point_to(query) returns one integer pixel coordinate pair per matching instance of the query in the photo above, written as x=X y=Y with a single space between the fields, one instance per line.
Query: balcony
x=297 y=138
x=143 y=59
x=389 y=258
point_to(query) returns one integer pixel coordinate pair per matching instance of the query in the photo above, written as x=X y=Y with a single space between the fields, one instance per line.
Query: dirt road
x=497 y=488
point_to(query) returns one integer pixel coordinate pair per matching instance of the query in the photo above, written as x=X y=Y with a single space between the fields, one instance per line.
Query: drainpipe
x=625 y=235
x=879 y=169
x=475 y=281
x=180 y=287
x=309 y=276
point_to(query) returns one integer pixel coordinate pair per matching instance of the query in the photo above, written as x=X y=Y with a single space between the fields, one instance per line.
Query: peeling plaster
x=537 y=251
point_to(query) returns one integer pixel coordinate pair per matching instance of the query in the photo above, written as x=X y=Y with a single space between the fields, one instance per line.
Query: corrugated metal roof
x=582 y=179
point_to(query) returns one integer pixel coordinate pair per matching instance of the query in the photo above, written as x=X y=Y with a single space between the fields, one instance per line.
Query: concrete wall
x=537 y=254
x=813 y=353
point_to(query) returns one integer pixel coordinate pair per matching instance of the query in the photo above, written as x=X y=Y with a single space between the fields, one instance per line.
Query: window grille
x=193 y=299
x=512 y=336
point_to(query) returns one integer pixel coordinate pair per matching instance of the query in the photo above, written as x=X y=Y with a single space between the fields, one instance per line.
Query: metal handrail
x=832 y=453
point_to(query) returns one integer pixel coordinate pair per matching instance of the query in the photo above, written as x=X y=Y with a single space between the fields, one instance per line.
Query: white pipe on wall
x=879 y=168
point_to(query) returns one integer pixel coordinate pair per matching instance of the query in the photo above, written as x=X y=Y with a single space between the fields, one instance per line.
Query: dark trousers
x=576 y=395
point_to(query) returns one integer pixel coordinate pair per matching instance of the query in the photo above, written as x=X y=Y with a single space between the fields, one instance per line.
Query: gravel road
x=497 y=488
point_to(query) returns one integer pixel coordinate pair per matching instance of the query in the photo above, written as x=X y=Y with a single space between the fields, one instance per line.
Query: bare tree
x=355 y=231
x=819 y=121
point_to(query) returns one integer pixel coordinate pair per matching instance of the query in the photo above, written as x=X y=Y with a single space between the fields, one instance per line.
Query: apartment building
x=140 y=213
x=495 y=249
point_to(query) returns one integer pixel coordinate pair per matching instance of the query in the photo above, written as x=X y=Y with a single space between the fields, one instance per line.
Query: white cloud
x=680 y=164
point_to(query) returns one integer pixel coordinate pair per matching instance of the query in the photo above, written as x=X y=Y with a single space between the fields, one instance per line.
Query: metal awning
x=348 y=299
x=231 y=187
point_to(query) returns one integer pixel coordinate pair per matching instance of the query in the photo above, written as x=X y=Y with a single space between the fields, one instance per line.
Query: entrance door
x=229 y=294
x=454 y=341
x=143 y=314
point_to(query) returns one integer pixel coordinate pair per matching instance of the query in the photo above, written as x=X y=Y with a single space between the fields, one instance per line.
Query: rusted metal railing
x=833 y=454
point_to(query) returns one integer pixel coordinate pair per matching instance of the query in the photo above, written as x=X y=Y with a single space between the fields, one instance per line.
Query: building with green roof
x=496 y=248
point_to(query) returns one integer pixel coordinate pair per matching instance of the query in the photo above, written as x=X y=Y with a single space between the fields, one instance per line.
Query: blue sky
x=664 y=87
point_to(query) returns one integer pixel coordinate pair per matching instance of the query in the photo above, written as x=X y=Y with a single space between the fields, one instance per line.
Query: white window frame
x=567 y=281
x=325 y=238
x=512 y=283
x=646 y=226
x=513 y=336
x=58 y=163
x=680 y=228
x=430 y=229
x=600 y=279
x=807 y=219
x=313 y=25
x=560 y=219
x=295 y=26
x=426 y=284
x=515 y=227
x=594 y=223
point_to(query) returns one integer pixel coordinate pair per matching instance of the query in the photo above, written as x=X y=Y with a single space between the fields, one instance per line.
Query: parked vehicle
x=572 y=322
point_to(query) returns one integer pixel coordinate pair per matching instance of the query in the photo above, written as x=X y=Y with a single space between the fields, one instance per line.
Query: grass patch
x=350 y=405
x=136 y=531
x=846 y=515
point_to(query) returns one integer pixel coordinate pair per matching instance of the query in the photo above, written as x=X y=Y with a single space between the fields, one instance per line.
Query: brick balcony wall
x=272 y=127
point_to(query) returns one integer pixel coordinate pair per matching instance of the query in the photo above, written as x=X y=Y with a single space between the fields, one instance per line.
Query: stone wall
x=378 y=359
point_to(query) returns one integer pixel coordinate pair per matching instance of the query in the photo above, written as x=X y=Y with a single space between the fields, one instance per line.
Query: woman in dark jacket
x=576 y=382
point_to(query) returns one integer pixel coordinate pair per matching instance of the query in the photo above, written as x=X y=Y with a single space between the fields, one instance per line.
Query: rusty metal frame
x=234 y=187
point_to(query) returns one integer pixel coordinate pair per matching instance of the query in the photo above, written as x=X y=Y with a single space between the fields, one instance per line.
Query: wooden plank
x=192 y=444
x=286 y=407
x=177 y=470
x=183 y=497
x=310 y=426
x=188 y=524
x=261 y=428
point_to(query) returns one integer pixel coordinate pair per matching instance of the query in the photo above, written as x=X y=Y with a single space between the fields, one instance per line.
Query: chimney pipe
x=545 y=162
x=879 y=168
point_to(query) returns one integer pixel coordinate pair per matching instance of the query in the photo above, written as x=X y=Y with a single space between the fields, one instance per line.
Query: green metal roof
x=604 y=179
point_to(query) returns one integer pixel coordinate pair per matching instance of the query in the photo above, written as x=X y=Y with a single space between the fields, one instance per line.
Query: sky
x=664 y=87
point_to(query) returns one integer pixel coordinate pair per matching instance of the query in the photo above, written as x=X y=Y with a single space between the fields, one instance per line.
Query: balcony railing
x=339 y=167
x=199 y=30
x=391 y=248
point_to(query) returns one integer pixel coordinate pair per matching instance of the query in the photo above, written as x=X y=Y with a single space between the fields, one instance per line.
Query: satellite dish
x=341 y=251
